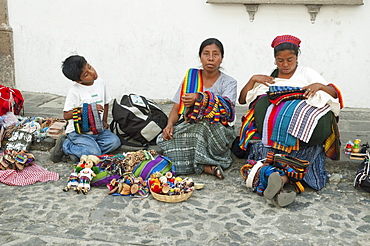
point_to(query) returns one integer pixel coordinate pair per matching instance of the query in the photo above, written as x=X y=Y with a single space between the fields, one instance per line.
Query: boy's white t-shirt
x=79 y=94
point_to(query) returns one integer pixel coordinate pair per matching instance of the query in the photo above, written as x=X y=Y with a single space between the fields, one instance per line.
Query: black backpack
x=137 y=118
x=362 y=179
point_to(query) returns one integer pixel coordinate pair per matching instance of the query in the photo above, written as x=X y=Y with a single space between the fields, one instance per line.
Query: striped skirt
x=197 y=144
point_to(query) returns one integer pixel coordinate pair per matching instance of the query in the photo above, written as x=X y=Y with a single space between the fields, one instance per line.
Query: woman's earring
x=275 y=62
x=297 y=63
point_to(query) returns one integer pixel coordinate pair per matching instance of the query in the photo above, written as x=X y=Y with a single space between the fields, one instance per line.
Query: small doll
x=86 y=174
x=72 y=181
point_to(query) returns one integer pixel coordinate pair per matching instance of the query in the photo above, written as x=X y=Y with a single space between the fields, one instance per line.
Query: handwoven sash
x=339 y=95
x=97 y=119
x=247 y=130
x=332 y=143
x=192 y=83
x=85 y=118
x=92 y=120
x=76 y=116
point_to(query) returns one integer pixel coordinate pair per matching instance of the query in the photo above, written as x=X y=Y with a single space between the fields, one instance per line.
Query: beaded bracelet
x=210 y=104
x=198 y=107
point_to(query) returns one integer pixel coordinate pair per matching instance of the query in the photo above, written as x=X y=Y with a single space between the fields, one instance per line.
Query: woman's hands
x=189 y=99
x=315 y=87
x=311 y=89
x=262 y=79
x=167 y=132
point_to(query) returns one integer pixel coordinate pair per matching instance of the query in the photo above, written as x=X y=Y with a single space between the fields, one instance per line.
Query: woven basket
x=172 y=198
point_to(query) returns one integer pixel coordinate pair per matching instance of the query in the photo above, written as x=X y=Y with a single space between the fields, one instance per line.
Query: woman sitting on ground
x=206 y=100
x=293 y=111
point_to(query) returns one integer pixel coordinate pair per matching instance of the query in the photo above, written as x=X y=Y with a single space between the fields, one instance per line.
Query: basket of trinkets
x=167 y=188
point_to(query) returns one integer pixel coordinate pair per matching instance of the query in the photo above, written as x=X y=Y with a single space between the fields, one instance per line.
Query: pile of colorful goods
x=14 y=160
x=123 y=163
x=38 y=126
x=168 y=188
x=128 y=185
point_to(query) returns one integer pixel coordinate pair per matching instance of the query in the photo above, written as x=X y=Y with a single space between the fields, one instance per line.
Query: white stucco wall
x=145 y=46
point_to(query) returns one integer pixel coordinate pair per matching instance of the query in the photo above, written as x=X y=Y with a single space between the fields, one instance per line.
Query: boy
x=87 y=90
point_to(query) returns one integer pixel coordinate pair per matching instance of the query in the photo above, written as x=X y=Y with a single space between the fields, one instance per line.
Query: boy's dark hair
x=72 y=67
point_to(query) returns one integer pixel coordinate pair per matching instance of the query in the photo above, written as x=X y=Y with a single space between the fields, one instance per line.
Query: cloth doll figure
x=72 y=181
x=85 y=176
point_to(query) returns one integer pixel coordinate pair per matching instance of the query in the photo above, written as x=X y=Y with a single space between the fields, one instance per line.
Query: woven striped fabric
x=339 y=94
x=332 y=143
x=287 y=149
x=305 y=119
x=29 y=175
x=85 y=117
x=196 y=145
x=76 y=116
x=97 y=119
x=192 y=83
x=287 y=97
x=282 y=89
x=265 y=133
x=280 y=134
x=160 y=164
x=247 y=130
x=92 y=120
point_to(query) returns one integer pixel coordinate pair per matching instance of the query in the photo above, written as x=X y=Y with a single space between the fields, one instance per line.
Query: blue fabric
x=275 y=88
x=280 y=132
x=265 y=173
x=316 y=176
x=86 y=144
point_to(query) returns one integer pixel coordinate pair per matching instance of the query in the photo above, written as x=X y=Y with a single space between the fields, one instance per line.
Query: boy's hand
x=100 y=108
x=105 y=124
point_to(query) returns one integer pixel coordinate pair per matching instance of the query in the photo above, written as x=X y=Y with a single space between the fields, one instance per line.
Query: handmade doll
x=72 y=181
x=86 y=174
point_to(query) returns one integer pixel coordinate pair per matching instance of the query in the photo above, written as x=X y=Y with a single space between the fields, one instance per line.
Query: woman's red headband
x=285 y=39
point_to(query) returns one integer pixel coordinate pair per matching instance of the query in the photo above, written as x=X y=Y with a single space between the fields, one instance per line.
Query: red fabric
x=270 y=125
x=29 y=175
x=11 y=100
x=285 y=39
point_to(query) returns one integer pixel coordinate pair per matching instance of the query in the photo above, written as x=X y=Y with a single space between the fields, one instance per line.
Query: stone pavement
x=224 y=212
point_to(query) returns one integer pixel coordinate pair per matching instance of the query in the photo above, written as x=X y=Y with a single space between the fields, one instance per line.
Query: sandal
x=274 y=185
x=218 y=172
x=66 y=189
x=285 y=198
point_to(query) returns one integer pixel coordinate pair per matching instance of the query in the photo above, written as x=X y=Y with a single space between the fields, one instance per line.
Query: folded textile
x=29 y=175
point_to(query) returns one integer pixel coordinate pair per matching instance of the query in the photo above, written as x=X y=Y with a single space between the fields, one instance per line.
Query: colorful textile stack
x=247 y=130
x=86 y=119
x=278 y=94
x=288 y=121
x=211 y=107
